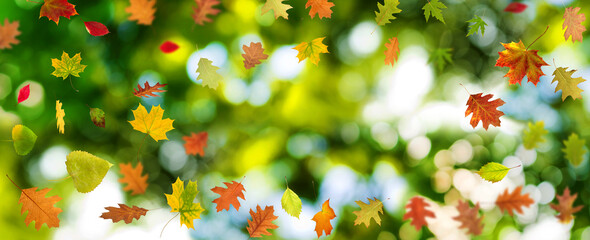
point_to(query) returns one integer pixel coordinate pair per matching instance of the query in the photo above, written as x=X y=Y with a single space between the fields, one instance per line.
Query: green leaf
x=493 y=172
x=574 y=149
x=534 y=135
x=386 y=11
x=440 y=57
x=291 y=203
x=97 y=117
x=208 y=73
x=86 y=170
x=479 y=24
x=567 y=84
x=24 y=139
x=67 y=66
x=434 y=8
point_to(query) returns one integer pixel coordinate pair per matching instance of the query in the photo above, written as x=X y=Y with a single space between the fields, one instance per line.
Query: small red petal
x=96 y=29
x=168 y=47
x=515 y=7
x=23 y=94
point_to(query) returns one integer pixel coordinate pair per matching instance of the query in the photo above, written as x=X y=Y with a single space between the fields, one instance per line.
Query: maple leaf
x=141 y=11
x=151 y=123
x=253 y=54
x=567 y=84
x=565 y=206
x=322 y=219
x=181 y=201
x=168 y=47
x=133 y=178
x=86 y=170
x=573 y=23
x=515 y=7
x=229 y=196
x=261 y=221
x=514 y=201
x=96 y=29
x=521 y=62
x=311 y=50
x=195 y=143
x=208 y=73
x=319 y=7
x=440 y=57
x=67 y=66
x=478 y=24
x=278 y=7
x=123 y=212
x=392 y=51
x=468 y=218
x=368 y=211
x=204 y=8
x=97 y=117
x=574 y=149
x=23 y=138
x=23 y=93
x=8 y=34
x=40 y=208
x=53 y=9
x=291 y=203
x=534 y=135
x=386 y=11
x=59 y=115
x=484 y=110
x=493 y=172
x=148 y=90
x=417 y=212
x=434 y=8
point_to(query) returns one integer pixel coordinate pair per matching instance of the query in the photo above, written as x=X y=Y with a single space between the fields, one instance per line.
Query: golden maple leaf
x=368 y=211
x=311 y=50
x=152 y=122
x=67 y=66
x=181 y=201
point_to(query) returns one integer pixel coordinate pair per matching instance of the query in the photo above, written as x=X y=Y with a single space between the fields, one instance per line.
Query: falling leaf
x=148 y=90
x=261 y=221
x=141 y=11
x=392 y=51
x=23 y=93
x=278 y=7
x=468 y=218
x=86 y=170
x=434 y=8
x=565 y=206
x=168 y=47
x=136 y=182
x=97 y=117
x=195 y=143
x=574 y=149
x=515 y=7
x=96 y=29
x=322 y=219
x=40 y=208
x=181 y=201
x=514 y=201
x=368 y=211
x=319 y=7
x=417 y=212
x=484 y=110
x=573 y=23
x=204 y=8
x=123 y=212
x=151 y=123
x=8 y=34
x=478 y=24
x=534 y=135
x=386 y=11
x=440 y=57
x=53 y=9
x=291 y=203
x=521 y=62
x=311 y=50
x=59 y=115
x=67 y=66
x=23 y=139
x=208 y=73
x=229 y=196
x=493 y=172
x=253 y=54
x=567 y=84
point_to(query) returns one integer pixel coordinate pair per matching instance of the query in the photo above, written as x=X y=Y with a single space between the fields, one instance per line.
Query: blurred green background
x=348 y=129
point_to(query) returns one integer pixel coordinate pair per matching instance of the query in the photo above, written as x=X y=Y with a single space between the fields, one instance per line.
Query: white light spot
x=284 y=63
x=419 y=147
x=236 y=91
x=384 y=134
x=52 y=162
x=173 y=156
x=462 y=151
x=259 y=93
x=547 y=192
x=364 y=38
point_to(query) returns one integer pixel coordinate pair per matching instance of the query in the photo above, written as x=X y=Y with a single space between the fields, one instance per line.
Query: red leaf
x=484 y=110
x=515 y=7
x=168 y=47
x=417 y=212
x=23 y=94
x=96 y=29
x=53 y=9
x=513 y=201
x=195 y=143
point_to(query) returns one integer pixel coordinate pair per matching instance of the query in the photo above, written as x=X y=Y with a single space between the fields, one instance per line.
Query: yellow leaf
x=67 y=65
x=60 y=114
x=311 y=50
x=368 y=211
x=181 y=201
x=567 y=84
x=151 y=123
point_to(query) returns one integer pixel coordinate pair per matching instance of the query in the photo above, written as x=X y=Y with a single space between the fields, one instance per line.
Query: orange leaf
x=141 y=11
x=195 y=143
x=41 y=209
x=204 y=8
x=521 y=62
x=514 y=201
x=229 y=195
x=392 y=51
x=468 y=218
x=565 y=206
x=573 y=22
x=322 y=219
x=133 y=178
x=124 y=212
x=484 y=110
x=53 y=9
x=319 y=7
x=8 y=34
x=253 y=54
x=261 y=221
x=417 y=212
x=148 y=90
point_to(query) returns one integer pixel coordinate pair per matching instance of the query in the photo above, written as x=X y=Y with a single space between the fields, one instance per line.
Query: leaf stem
x=141 y=145
x=465 y=88
x=167 y=224
x=287 y=183
x=55 y=180
x=514 y=167
x=313 y=186
x=14 y=183
x=9 y=140
x=527 y=48
x=72 y=84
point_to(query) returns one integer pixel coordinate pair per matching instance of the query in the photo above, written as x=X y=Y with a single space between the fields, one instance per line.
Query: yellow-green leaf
x=534 y=135
x=567 y=84
x=368 y=211
x=478 y=24
x=493 y=172
x=86 y=170
x=574 y=149
x=311 y=50
x=386 y=11
x=67 y=66
x=181 y=201
x=434 y=8
x=24 y=139
x=151 y=123
x=208 y=73
x=291 y=203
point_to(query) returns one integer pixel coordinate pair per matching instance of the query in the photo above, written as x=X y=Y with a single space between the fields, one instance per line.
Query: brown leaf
x=124 y=212
x=8 y=34
x=253 y=54
x=229 y=195
x=514 y=201
x=204 y=8
x=133 y=178
x=565 y=206
x=148 y=90
x=261 y=221
x=468 y=218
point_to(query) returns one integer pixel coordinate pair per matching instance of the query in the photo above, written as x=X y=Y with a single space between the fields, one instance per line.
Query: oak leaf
x=204 y=8
x=319 y=7
x=67 y=65
x=23 y=93
x=567 y=84
x=96 y=29
x=123 y=212
x=417 y=212
x=434 y=8
x=478 y=24
x=208 y=73
x=392 y=51
x=521 y=62
x=534 y=135
x=468 y=218
x=148 y=90
x=386 y=11
x=291 y=203
x=141 y=11
x=181 y=201
x=261 y=221
x=573 y=23
x=53 y=9
x=311 y=50
x=97 y=116
x=574 y=149
x=278 y=7
x=484 y=110
x=565 y=207
x=151 y=123
x=24 y=139
x=322 y=219
x=493 y=172
x=133 y=178
x=40 y=208
x=195 y=143
x=8 y=34
x=368 y=211
x=515 y=7
x=59 y=115
x=229 y=196
x=253 y=54
x=87 y=171
x=513 y=201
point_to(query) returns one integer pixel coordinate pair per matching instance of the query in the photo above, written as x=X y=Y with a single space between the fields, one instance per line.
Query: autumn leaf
x=468 y=218
x=8 y=34
x=311 y=50
x=23 y=93
x=86 y=170
x=440 y=57
x=96 y=29
x=291 y=203
x=67 y=66
x=133 y=178
x=573 y=23
x=392 y=51
x=434 y=8
x=521 y=62
x=513 y=201
x=322 y=219
x=181 y=201
x=24 y=139
x=253 y=54
x=195 y=143
x=534 y=135
x=53 y=9
x=319 y=7
x=567 y=84
x=123 y=212
x=229 y=196
x=386 y=11
x=40 y=208
x=208 y=73
x=148 y=90
x=59 y=115
x=417 y=212
x=484 y=110
x=141 y=11
x=261 y=221
x=204 y=8
x=168 y=47
x=97 y=117
x=515 y=7
x=151 y=123
x=478 y=24
x=494 y=172
x=368 y=211
x=278 y=7
x=565 y=206
x=574 y=149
